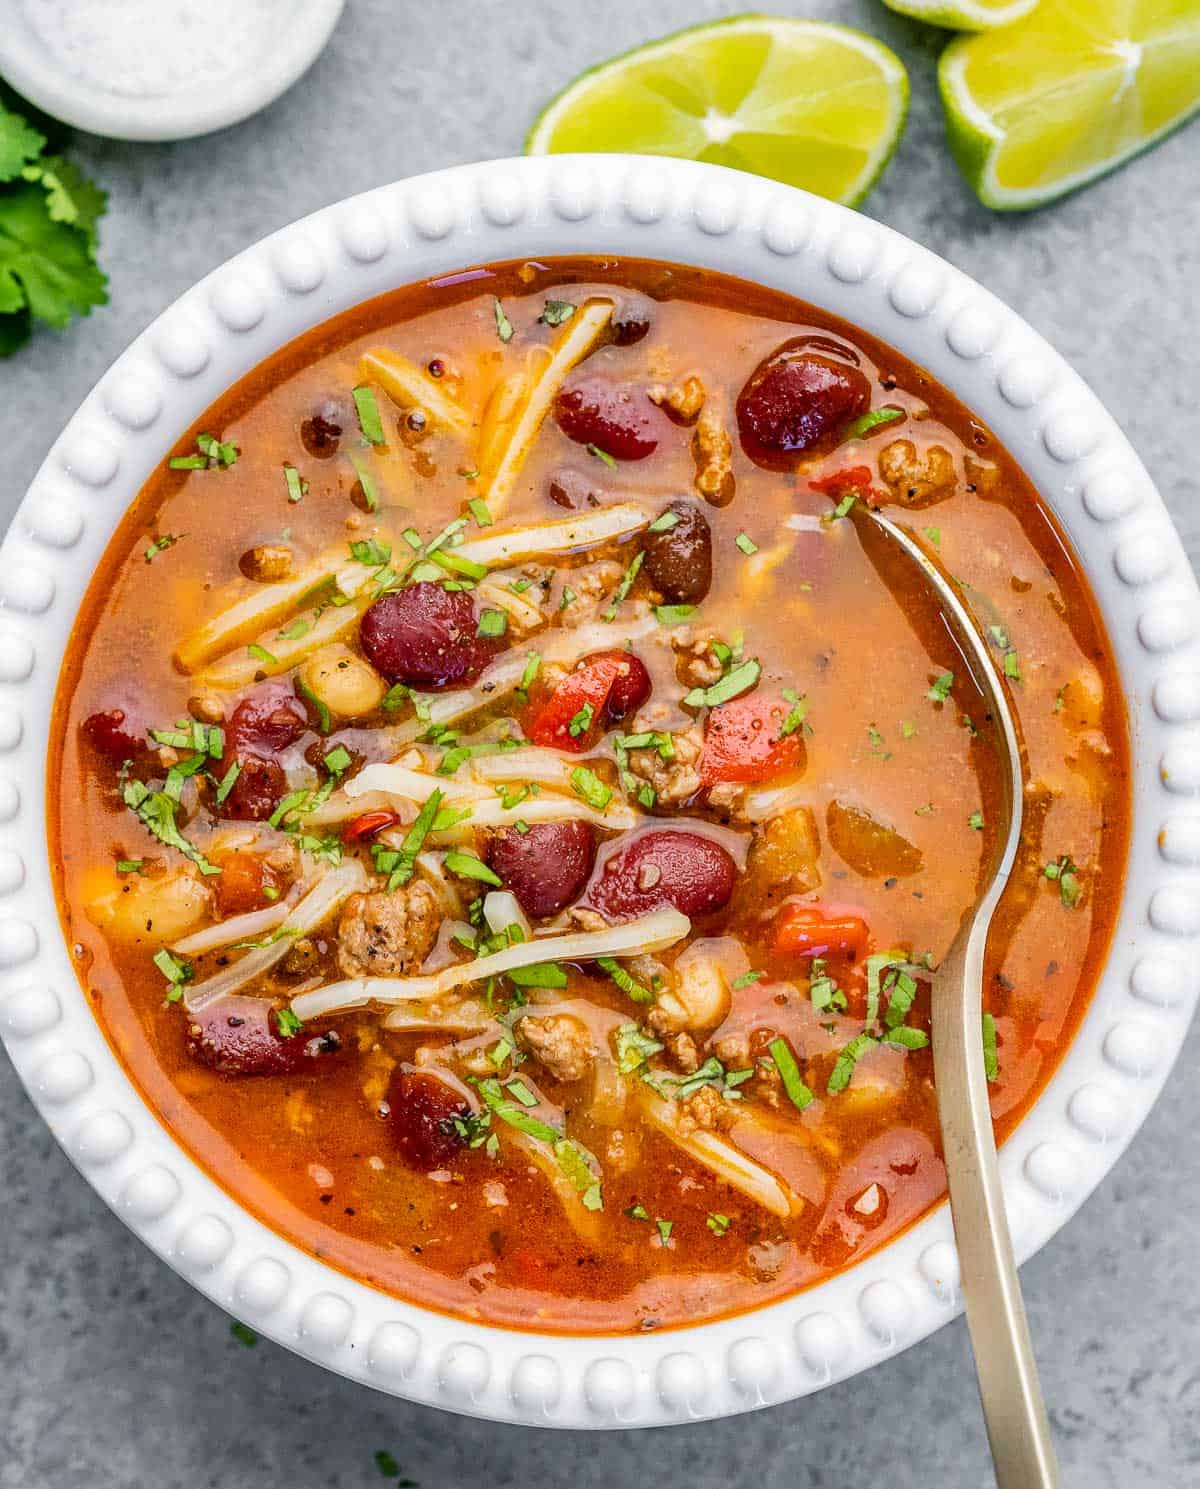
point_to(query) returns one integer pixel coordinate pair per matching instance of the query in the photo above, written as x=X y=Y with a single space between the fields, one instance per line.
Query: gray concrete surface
x=113 y=1373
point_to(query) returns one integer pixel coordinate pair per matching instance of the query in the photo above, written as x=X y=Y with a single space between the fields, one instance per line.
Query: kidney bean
x=619 y=420
x=679 y=560
x=662 y=867
x=425 y=636
x=264 y=722
x=797 y=400
x=546 y=867
x=109 y=733
x=239 y=1035
x=259 y=788
x=631 y=687
x=631 y=321
x=322 y=434
x=421 y=1113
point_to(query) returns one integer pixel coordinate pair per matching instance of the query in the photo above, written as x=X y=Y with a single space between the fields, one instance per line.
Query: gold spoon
x=1011 y=1393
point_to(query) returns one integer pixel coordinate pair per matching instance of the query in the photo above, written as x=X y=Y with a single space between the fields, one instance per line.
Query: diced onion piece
x=649 y=933
x=497 y=592
x=340 y=808
x=504 y=675
x=773 y=801
x=533 y=763
x=411 y=387
x=464 y=1018
x=411 y=785
x=238 y=928
x=267 y=604
x=617 y=816
x=501 y=908
x=722 y=1158
x=564 y=535
x=515 y=438
x=317 y=905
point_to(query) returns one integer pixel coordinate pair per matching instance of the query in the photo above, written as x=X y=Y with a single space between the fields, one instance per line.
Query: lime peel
x=965 y=15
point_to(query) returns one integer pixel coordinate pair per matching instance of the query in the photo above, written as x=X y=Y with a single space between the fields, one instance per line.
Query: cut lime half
x=964 y=15
x=1042 y=107
x=813 y=104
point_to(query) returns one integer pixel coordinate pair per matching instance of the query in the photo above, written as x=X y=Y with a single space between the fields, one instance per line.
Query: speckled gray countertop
x=114 y=1374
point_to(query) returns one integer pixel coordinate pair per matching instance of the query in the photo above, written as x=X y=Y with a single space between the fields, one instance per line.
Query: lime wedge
x=1042 y=107
x=964 y=15
x=815 y=105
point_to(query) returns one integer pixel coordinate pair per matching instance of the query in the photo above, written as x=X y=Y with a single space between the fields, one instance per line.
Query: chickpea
x=344 y=682
x=699 y=1000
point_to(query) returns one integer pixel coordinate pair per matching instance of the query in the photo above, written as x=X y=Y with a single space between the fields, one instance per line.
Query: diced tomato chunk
x=742 y=741
x=366 y=826
x=579 y=699
x=807 y=930
x=838 y=482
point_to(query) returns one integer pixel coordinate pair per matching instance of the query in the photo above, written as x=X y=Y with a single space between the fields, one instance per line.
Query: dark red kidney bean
x=421 y=1114
x=679 y=561
x=546 y=867
x=266 y=721
x=240 y=1035
x=631 y=321
x=619 y=420
x=661 y=867
x=259 y=788
x=630 y=690
x=425 y=636
x=322 y=434
x=109 y=733
x=796 y=400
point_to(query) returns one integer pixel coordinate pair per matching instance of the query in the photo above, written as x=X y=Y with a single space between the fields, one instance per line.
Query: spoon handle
x=1017 y=1428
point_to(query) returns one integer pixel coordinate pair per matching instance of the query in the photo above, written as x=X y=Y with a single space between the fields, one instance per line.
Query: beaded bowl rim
x=713 y=218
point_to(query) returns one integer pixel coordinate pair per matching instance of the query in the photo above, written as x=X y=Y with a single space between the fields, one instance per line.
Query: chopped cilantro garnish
x=843 y=1069
x=324 y=718
x=214 y=455
x=573 y=1161
x=479 y=510
x=602 y=455
x=244 y=1334
x=940 y=690
x=738 y=680
x=907 y=728
x=991 y=1059
x=367 y=410
x=1012 y=666
x=673 y=615
x=338 y=760
x=934 y=534
x=664 y=1228
x=130 y=865
x=718 y=1223
x=161 y=544
x=872 y=419
x=634 y=1047
x=588 y=785
x=747 y=978
x=540 y=974
x=297 y=486
x=366 y=481
x=975 y=821
x=504 y=327
x=175 y=970
x=746 y=544
x=555 y=312
x=626 y=584
x=294 y=632
x=628 y=984
x=156 y=811
x=228 y=781
x=261 y=654
x=796 y=714
x=1065 y=872
x=842 y=508
x=902 y=1037
x=665 y=523
x=492 y=623
x=467 y=866
x=532 y=662
x=789 y=1072
x=581 y=722
x=287 y=1023
x=638 y=1212
x=512 y=1113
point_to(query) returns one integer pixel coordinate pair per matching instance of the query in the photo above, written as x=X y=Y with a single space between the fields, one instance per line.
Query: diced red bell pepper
x=807 y=931
x=370 y=823
x=742 y=741
x=588 y=686
x=838 y=482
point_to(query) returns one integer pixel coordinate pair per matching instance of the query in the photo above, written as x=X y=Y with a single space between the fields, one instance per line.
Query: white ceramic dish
x=199 y=107
x=856 y=268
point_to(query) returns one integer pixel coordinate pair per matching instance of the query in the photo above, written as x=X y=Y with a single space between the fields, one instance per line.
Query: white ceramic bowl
x=188 y=108
x=692 y=214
